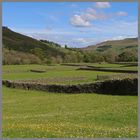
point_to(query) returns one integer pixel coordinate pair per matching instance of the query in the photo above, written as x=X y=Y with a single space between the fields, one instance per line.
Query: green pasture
x=28 y=114
x=53 y=75
x=37 y=114
x=108 y=65
x=114 y=66
x=57 y=74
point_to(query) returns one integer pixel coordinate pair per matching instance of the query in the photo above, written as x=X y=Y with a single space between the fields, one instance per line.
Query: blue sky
x=77 y=24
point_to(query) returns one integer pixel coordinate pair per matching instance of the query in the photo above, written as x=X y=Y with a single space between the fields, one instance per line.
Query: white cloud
x=121 y=13
x=81 y=40
x=102 y=5
x=84 y=19
x=89 y=16
x=79 y=21
x=85 y=41
x=92 y=14
x=91 y=10
x=118 y=37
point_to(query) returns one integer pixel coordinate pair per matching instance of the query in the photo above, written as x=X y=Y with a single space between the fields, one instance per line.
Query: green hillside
x=19 y=42
x=21 y=49
x=14 y=42
x=116 y=45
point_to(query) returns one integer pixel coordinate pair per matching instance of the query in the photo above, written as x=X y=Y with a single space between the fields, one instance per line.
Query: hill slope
x=21 y=49
x=19 y=42
x=14 y=43
x=116 y=45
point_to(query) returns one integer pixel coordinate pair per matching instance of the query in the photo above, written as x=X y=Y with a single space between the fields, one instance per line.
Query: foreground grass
x=28 y=114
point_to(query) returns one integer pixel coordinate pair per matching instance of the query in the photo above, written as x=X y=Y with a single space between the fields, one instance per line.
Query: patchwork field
x=54 y=74
x=38 y=114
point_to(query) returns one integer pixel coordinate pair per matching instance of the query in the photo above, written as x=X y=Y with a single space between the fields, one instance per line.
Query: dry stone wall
x=114 y=87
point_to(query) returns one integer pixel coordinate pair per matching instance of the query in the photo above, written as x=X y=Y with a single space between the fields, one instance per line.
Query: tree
x=39 y=52
x=86 y=58
x=96 y=57
x=66 y=46
x=110 y=56
x=79 y=56
x=128 y=55
x=16 y=57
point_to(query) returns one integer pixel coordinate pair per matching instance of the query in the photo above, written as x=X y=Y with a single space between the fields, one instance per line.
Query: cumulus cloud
x=89 y=16
x=91 y=10
x=84 y=19
x=79 y=21
x=102 y=5
x=92 y=14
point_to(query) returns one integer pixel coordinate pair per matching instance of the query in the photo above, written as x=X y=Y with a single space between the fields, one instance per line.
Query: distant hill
x=21 y=49
x=117 y=45
x=14 y=42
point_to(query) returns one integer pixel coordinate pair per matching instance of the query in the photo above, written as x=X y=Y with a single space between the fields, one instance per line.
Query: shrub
x=14 y=57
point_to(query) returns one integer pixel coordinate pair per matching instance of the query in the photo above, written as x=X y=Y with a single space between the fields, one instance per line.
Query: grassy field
x=36 y=114
x=53 y=75
x=111 y=66
x=40 y=114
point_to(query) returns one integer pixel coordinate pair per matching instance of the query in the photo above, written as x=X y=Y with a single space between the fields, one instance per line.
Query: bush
x=128 y=56
x=14 y=57
x=110 y=56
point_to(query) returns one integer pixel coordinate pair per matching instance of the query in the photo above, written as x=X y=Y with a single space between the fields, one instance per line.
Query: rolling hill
x=117 y=45
x=15 y=43
x=18 y=42
x=22 y=49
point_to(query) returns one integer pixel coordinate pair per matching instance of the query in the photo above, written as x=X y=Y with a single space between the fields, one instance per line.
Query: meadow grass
x=107 y=65
x=22 y=72
x=37 y=114
x=27 y=114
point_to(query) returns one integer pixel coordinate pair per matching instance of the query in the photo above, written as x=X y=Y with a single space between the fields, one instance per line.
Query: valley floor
x=38 y=114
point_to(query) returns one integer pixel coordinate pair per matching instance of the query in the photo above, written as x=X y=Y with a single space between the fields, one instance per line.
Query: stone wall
x=107 y=70
x=114 y=87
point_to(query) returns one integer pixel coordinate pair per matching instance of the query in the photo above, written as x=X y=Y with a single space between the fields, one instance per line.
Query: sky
x=76 y=24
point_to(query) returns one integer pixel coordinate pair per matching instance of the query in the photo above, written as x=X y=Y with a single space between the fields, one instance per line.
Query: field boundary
x=107 y=70
x=126 y=86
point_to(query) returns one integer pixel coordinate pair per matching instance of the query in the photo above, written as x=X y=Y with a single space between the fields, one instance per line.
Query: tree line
x=37 y=56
